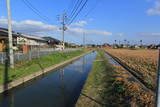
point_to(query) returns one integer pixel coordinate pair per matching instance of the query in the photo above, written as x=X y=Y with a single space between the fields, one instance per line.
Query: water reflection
x=59 y=89
x=9 y=102
x=62 y=86
x=78 y=65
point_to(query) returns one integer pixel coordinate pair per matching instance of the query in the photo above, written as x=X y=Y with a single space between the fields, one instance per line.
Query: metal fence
x=31 y=54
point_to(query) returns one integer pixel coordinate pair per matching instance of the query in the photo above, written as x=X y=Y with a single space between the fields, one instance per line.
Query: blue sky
x=110 y=20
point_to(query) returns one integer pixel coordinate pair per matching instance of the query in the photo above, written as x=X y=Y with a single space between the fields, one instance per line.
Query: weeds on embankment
x=109 y=85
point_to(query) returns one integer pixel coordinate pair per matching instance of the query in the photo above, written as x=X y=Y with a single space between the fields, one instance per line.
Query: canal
x=59 y=88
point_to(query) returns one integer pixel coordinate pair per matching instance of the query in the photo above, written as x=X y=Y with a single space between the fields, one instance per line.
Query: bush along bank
x=109 y=85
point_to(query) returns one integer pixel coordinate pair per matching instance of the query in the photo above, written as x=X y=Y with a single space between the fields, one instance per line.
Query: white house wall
x=26 y=41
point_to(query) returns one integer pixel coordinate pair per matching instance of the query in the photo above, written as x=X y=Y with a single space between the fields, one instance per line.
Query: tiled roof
x=32 y=37
x=4 y=32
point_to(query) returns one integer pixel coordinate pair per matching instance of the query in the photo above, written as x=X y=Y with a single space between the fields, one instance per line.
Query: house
x=52 y=42
x=24 y=43
x=4 y=39
x=21 y=42
x=28 y=42
x=91 y=45
x=135 y=46
x=106 y=45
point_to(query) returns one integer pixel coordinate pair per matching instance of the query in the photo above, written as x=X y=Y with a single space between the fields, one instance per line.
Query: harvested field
x=112 y=86
x=143 y=61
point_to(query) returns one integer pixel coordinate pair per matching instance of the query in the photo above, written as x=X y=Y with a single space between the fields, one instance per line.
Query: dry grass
x=139 y=97
x=112 y=86
x=144 y=61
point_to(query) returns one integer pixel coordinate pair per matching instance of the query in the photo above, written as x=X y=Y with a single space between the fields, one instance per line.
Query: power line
x=74 y=11
x=78 y=12
x=75 y=8
x=91 y=10
x=36 y=11
x=70 y=5
x=96 y=4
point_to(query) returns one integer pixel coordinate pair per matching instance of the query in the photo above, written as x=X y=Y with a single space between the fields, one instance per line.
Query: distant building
x=73 y=45
x=106 y=45
x=115 y=46
x=136 y=46
x=90 y=45
x=152 y=46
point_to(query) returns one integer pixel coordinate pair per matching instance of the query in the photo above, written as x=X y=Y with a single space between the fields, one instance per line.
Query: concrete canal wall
x=36 y=74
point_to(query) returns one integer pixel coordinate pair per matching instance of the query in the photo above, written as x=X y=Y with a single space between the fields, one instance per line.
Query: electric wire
x=75 y=8
x=91 y=10
x=70 y=6
x=36 y=11
x=78 y=12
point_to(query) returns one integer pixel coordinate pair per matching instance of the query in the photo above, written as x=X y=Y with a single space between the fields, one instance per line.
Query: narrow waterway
x=60 y=88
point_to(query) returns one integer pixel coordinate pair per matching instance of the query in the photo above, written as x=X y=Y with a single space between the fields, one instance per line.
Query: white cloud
x=39 y=28
x=155 y=10
x=150 y=34
x=29 y=26
x=79 y=31
x=80 y=23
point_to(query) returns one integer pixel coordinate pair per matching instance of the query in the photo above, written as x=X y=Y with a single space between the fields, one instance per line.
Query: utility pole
x=10 y=41
x=158 y=81
x=119 y=42
x=63 y=19
x=141 y=43
x=115 y=41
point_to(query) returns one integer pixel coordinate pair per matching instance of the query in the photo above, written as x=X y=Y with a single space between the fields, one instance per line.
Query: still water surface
x=60 y=88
